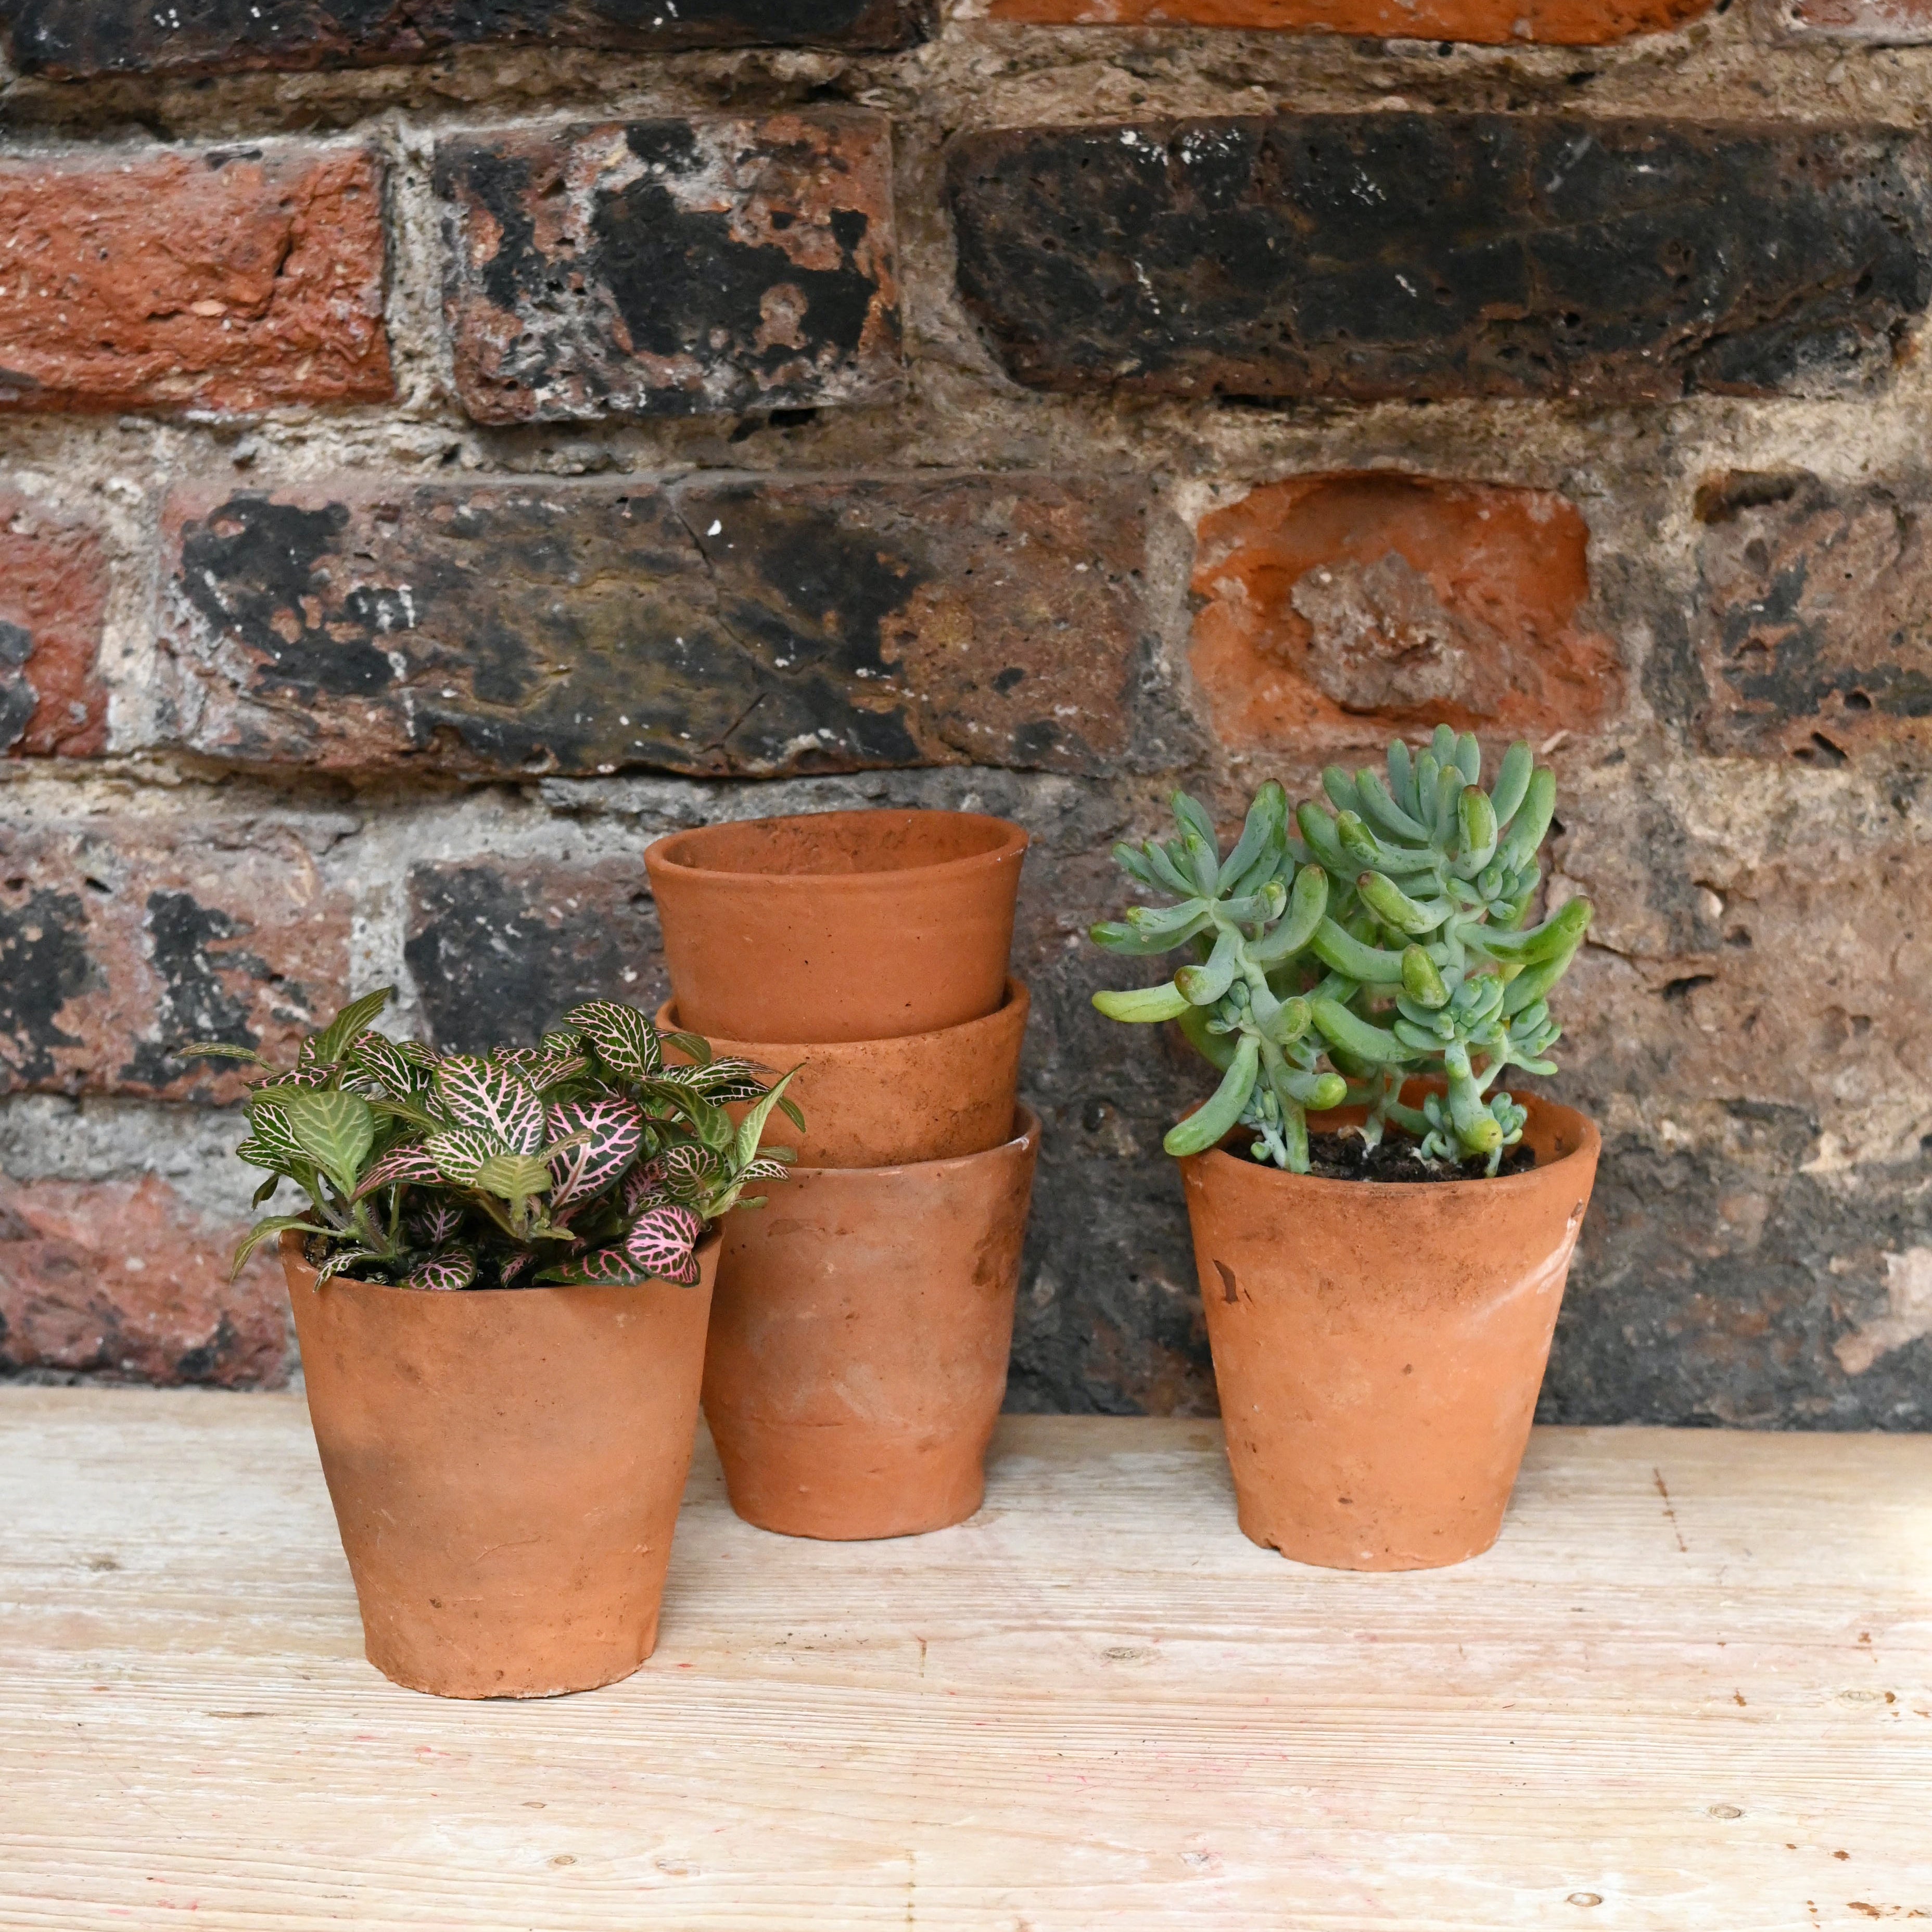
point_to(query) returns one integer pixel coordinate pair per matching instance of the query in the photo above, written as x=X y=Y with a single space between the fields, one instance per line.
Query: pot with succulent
x=501 y=1280
x=1381 y=1282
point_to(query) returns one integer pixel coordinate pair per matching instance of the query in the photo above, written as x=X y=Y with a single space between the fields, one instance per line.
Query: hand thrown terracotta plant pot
x=506 y=1468
x=1378 y=1346
x=859 y=1339
x=893 y=1102
x=838 y=926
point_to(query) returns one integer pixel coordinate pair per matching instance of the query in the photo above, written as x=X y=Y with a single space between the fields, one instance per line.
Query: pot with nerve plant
x=1382 y=1225
x=501 y=1268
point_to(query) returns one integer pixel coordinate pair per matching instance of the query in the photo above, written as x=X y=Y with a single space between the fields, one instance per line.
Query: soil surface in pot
x=1345 y=1156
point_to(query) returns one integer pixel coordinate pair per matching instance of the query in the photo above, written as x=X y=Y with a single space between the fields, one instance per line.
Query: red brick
x=1337 y=608
x=1884 y=23
x=671 y=267
x=222 y=283
x=1574 y=23
x=53 y=602
x=122 y=940
x=1809 y=640
x=123 y=1279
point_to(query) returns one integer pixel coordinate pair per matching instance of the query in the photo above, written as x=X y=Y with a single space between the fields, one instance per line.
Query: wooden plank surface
x=1691 y=1687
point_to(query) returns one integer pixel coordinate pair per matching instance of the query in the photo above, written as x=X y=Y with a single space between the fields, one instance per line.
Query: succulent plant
x=1339 y=954
x=589 y=1159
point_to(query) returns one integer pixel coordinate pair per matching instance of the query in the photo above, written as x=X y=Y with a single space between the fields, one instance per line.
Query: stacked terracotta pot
x=859 y=1332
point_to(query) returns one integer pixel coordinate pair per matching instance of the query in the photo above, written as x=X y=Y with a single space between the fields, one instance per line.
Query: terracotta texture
x=1575 y=23
x=506 y=1468
x=717 y=627
x=53 y=602
x=123 y=936
x=1378 y=1346
x=857 y=1357
x=126 y=1281
x=1810 y=640
x=229 y=282
x=1336 y=609
x=671 y=267
x=838 y=926
x=895 y=1102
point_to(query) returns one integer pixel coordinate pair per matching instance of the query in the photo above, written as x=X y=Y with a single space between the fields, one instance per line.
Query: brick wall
x=443 y=447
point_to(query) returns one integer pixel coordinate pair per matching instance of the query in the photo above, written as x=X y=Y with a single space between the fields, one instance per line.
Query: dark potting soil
x=1345 y=1156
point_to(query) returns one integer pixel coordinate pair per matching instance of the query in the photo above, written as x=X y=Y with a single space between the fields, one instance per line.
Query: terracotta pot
x=1378 y=1346
x=506 y=1467
x=858 y=1342
x=839 y=925
x=892 y=1102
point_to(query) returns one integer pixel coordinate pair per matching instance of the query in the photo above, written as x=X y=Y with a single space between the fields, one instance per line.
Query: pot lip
x=1026 y=1139
x=1018 y=1002
x=291 y=1249
x=664 y=851
x=1591 y=1142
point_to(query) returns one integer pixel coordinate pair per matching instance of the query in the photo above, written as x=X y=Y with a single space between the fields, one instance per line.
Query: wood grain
x=1691 y=1687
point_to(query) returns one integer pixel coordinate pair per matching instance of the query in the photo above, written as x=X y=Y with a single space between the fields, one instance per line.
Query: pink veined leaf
x=616 y=1130
x=490 y=1099
x=688 y=1169
x=380 y=1058
x=444 y=1273
x=626 y=1042
x=433 y=1226
x=296 y=1076
x=514 y=1269
x=400 y=1166
x=643 y=1187
x=662 y=1244
x=607 y=1268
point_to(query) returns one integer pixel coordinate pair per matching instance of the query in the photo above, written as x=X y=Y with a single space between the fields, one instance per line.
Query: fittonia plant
x=1337 y=954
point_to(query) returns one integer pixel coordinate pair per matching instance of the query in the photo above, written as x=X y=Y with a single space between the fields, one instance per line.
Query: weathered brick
x=124 y=1280
x=671 y=268
x=728 y=627
x=1335 y=610
x=78 y=40
x=500 y=950
x=121 y=939
x=1811 y=639
x=53 y=603
x=221 y=282
x=1884 y=23
x=1400 y=255
x=1574 y=23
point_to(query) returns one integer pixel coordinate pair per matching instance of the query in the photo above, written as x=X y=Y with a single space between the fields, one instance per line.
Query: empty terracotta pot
x=838 y=926
x=859 y=1339
x=892 y=1102
x=1378 y=1346
x=506 y=1468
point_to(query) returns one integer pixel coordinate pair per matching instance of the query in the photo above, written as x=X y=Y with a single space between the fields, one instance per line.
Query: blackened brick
x=500 y=950
x=79 y=38
x=1490 y=22
x=1402 y=255
x=743 y=627
x=671 y=268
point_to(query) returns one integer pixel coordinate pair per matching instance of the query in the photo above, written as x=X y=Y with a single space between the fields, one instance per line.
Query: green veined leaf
x=216 y=1049
x=335 y=1130
x=626 y=1042
x=752 y=1128
x=693 y=1046
x=276 y=1225
x=344 y=1258
x=490 y=1099
x=329 y=1045
x=513 y=1176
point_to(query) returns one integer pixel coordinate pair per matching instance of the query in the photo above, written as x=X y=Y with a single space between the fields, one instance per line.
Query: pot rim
x=713 y=1236
x=1017 y=994
x=1591 y=1142
x=663 y=851
x=1030 y=1129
